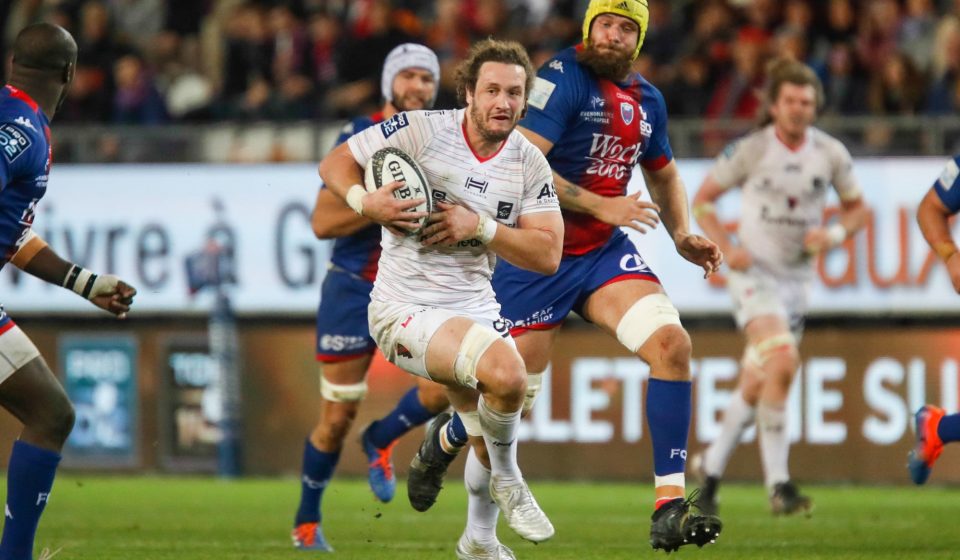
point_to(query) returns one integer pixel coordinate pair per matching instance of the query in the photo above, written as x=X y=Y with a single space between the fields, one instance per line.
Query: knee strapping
x=475 y=342
x=643 y=319
x=758 y=354
x=335 y=392
x=534 y=382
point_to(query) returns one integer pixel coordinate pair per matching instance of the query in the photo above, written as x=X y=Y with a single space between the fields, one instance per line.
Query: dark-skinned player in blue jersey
x=44 y=59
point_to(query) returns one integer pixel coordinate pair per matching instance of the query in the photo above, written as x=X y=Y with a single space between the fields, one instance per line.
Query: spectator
x=136 y=100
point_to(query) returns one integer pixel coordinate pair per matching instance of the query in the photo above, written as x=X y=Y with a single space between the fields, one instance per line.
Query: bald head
x=44 y=46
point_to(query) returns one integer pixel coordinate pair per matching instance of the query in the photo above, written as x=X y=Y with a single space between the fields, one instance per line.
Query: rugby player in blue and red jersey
x=411 y=73
x=934 y=427
x=44 y=58
x=595 y=120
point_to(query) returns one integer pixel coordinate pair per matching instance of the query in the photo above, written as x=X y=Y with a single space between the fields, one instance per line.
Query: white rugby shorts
x=757 y=292
x=16 y=350
x=403 y=331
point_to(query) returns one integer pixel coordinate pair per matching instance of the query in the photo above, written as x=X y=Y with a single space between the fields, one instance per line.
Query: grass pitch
x=151 y=518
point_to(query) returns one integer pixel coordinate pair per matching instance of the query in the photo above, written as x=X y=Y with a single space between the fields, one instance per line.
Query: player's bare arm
x=668 y=192
x=535 y=244
x=704 y=212
x=626 y=211
x=341 y=173
x=933 y=217
x=105 y=291
x=332 y=217
x=853 y=216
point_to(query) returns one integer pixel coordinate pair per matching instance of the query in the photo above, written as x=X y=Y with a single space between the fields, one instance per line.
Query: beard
x=405 y=102
x=487 y=134
x=604 y=64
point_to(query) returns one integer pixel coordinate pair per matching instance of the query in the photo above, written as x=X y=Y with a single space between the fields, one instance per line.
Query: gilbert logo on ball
x=391 y=164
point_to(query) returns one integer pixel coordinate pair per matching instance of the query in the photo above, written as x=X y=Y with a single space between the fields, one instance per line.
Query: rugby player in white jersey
x=783 y=170
x=433 y=311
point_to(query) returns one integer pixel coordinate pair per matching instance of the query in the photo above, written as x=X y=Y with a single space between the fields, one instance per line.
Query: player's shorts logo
x=404 y=352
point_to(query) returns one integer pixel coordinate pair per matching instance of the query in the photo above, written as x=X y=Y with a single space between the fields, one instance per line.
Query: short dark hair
x=491 y=50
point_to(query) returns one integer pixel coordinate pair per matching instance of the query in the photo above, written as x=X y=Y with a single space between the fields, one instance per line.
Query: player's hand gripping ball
x=391 y=164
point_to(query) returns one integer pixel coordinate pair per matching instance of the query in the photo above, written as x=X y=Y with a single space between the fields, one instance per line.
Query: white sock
x=500 y=435
x=774 y=442
x=736 y=419
x=482 y=511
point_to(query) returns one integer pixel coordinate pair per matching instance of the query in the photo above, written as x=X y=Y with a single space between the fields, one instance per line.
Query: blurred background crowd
x=159 y=61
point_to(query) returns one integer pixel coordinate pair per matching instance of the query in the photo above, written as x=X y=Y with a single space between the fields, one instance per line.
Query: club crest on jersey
x=395 y=123
x=13 y=141
x=626 y=112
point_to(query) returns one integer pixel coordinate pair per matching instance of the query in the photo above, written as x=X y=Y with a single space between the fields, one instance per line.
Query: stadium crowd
x=154 y=61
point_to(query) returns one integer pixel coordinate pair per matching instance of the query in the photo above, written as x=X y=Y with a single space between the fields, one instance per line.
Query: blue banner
x=100 y=377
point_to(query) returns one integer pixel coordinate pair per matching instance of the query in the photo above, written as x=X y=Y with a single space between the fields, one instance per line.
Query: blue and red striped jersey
x=600 y=130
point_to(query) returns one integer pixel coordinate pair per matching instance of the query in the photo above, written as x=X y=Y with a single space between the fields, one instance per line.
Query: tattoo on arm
x=572 y=190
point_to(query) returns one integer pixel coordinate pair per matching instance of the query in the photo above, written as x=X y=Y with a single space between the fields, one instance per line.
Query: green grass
x=151 y=518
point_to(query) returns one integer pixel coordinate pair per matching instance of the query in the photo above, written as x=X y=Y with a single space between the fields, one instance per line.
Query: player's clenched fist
x=112 y=294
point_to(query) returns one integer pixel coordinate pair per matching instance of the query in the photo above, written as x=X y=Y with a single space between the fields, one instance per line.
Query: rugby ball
x=391 y=164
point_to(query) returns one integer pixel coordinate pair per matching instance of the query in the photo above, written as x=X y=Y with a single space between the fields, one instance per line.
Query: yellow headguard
x=634 y=9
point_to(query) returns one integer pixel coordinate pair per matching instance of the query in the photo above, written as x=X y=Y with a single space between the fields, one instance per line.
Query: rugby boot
x=521 y=510
x=380 y=474
x=428 y=467
x=680 y=522
x=473 y=550
x=309 y=536
x=787 y=500
x=920 y=460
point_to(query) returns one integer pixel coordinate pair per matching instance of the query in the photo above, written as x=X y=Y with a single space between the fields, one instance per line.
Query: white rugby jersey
x=515 y=181
x=784 y=192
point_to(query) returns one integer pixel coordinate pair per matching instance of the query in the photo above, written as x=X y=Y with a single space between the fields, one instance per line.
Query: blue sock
x=408 y=414
x=668 y=416
x=456 y=433
x=29 y=481
x=949 y=428
x=318 y=468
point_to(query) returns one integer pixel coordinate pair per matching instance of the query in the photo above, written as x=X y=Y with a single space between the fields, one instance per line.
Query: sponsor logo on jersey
x=556 y=65
x=13 y=141
x=395 y=123
x=504 y=209
x=476 y=185
x=610 y=158
x=793 y=168
x=819 y=183
x=439 y=196
x=646 y=129
x=597 y=102
x=403 y=351
x=949 y=175
x=626 y=112
x=548 y=193
x=540 y=92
